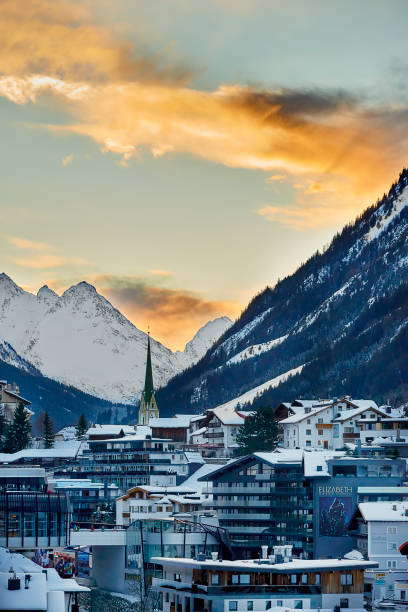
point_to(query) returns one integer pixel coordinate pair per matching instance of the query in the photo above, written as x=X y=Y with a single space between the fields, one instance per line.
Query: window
x=308 y=421
x=391 y=546
x=346 y=579
x=319 y=468
x=391 y=530
x=233 y=606
x=215 y=579
x=344 y=603
x=320 y=432
x=317 y=579
x=298 y=604
x=177 y=577
x=391 y=564
x=320 y=421
x=293 y=579
x=308 y=432
x=253 y=470
x=304 y=578
x=250 y=605
x=245 y=579
x=308 y=443
x=268 y=605
x=235 y=579
x=279 y=603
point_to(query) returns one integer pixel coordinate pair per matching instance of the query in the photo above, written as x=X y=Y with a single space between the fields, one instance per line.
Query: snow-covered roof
x=78 y=483
x=228 y=415
x=22 y=472
x=384 y=511
x=67 y=452
x=160 y=490
x=285 y=455
x=197 y=417
x=193 y=481
x=68 y=433
x=110 y=430
x=293 y=566
x=301 y=415
x=318 y=459
x=350 y=414
x=132 y=438
x=383 y=490
x=172 y=422
x=364 y=404
x=193 y=457
x=199 y=432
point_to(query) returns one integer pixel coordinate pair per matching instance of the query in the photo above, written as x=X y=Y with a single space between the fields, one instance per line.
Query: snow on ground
x=255 y=350
x=232 y=342
x=383 y=223
x=249 y=396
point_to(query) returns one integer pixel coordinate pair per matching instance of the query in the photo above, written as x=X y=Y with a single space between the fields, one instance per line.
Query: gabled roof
x=228 y=415
x=384 y=511
x=301 y=416
x=179 y=421
x=350 y=414
x=16 y=396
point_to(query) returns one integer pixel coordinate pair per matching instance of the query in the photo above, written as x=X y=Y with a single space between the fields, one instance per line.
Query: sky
x=180 y=155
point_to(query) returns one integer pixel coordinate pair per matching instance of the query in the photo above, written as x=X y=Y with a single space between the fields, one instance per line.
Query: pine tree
x=82 y=427
x=259 y=432
x=18 y=432
x=48 y=431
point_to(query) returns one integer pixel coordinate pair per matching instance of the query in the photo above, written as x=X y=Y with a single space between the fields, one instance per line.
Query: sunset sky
x=182 y=154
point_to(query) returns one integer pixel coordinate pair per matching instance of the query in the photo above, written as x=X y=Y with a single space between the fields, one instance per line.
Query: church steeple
x=148 y=405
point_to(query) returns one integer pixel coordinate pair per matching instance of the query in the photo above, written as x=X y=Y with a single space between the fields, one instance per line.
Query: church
x=148 y=406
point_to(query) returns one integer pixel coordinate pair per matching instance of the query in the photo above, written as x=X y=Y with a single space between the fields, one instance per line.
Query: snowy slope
x=80 y=339
x=343 y=313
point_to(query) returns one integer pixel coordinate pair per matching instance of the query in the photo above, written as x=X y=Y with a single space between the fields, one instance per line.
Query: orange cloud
x=23 y=243
x=66 y=161
x=59 y=39
x=275 y=177
x=44 y=262
x=44 y=259
x=126 y=101
x=174 y=315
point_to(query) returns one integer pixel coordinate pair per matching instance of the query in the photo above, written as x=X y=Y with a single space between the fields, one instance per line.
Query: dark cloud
x=295 y=103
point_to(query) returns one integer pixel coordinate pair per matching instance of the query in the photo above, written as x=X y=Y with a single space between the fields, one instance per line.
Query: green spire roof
x=148 y=387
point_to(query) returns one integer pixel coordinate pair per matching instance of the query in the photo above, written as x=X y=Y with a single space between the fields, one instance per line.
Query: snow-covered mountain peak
x=81 y=339
x=82 y=289
x=47 y=294
x=206 y=336
x=7 y=285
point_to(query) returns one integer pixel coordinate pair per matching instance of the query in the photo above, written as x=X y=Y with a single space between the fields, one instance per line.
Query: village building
x=328 y=425
x=277 y=581
x=10 y=398
x=381 y=530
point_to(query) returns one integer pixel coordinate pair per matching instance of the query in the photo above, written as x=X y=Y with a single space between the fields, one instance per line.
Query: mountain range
x=338 y=325
x=81 y=341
